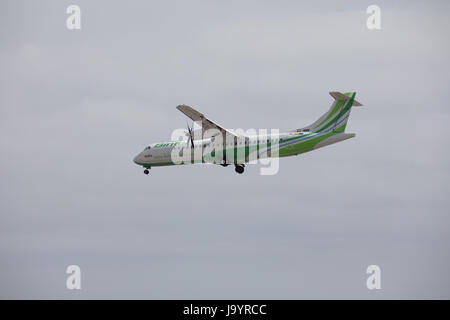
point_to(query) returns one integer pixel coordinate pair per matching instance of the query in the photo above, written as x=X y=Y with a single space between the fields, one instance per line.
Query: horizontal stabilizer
x=333 y=139
x=340 y=96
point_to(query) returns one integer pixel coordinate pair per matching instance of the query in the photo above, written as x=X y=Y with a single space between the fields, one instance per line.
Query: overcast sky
x=77 y=106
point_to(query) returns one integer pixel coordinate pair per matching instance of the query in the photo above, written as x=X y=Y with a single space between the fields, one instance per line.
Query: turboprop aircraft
x=216 y=145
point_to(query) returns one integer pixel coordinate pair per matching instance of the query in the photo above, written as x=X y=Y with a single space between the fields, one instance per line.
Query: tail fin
x=335 y=119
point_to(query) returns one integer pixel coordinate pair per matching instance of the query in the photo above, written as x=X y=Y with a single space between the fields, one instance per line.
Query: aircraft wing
x=203 y=121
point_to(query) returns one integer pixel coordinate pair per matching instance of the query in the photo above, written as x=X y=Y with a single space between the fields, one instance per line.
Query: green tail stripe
x=337 y=106
x=343 y=111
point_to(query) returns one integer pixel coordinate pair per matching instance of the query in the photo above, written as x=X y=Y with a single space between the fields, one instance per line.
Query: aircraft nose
x=136 y=159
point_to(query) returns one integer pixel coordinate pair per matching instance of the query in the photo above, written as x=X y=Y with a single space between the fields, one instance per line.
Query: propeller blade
x=190 y=136
x=192 y=141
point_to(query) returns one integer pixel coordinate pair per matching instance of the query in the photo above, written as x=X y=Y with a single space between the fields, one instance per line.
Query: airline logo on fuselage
x=168 y=144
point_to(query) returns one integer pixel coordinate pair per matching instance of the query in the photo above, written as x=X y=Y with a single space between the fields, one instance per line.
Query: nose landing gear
x=239 y=168
x=146 y=171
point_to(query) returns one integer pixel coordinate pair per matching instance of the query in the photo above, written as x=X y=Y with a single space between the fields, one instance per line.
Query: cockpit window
x=148 y=148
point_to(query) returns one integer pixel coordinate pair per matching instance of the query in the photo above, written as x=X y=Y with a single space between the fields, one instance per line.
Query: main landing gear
x=239 y=168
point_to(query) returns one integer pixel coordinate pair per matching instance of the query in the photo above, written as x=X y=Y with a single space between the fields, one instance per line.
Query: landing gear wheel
x=239 y=169
x=146 y=171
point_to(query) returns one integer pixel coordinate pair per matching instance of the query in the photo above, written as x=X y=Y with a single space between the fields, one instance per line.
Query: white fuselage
x=161 y=154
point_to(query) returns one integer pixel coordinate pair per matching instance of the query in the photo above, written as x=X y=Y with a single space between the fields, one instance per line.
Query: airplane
x=218 y=145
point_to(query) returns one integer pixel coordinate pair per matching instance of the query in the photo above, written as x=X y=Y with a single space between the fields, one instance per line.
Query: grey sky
x=76 y=106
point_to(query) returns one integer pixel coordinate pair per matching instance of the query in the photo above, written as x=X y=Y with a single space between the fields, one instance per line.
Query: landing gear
x=239 y=168
x=224 y=162
x=146 y=171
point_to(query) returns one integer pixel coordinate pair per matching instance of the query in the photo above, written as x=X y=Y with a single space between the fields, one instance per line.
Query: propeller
x=190 y=135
